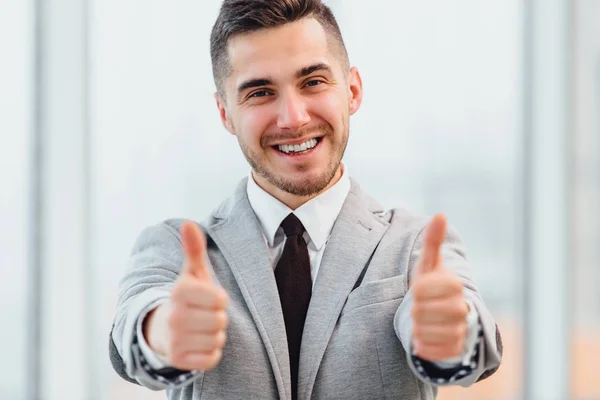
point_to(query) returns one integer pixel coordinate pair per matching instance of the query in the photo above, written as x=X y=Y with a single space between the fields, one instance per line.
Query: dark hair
x=244 y=16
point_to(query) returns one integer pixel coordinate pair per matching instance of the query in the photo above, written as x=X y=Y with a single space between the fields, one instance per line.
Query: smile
x=298 y=148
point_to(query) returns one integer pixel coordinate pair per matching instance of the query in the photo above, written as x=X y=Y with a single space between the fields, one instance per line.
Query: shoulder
x=168 y=232
x=407 y=220
x=162 y=236
x=399 y=219
x=405 y=228
x=403 y=225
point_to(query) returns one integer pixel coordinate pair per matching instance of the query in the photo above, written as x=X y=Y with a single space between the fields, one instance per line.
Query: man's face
x=288 y=101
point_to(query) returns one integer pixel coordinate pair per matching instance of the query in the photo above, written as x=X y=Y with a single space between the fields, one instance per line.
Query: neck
x=291 y=200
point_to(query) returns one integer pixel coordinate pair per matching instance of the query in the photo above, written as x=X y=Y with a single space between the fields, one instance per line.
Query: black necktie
x=295 y=286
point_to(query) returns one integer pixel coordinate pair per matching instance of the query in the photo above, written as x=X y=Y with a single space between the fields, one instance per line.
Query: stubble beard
x=308 y=186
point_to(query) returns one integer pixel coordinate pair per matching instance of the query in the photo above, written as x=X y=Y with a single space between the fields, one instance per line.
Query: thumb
x=194 y=245
x=434 y=237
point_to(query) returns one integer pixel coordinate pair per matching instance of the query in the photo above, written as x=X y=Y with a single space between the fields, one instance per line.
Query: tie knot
x=292 y=226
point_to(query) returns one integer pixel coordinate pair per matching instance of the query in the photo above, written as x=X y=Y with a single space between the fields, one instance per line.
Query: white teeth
x=290 y=148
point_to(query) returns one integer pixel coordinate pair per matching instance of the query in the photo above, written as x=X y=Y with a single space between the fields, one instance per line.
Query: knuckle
x=459 y=310
x=208 y=362
x=462 y=330
x=220 y=339
x=222 y=297
x=222 y=320
x=456 y=287
x=216 y=357
x=211 y=342
x=457 y=283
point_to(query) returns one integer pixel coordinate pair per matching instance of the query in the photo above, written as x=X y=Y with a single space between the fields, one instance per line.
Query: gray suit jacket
x=350 y=346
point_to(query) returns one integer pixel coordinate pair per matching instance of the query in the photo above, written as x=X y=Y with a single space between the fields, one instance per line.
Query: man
x=298 y=286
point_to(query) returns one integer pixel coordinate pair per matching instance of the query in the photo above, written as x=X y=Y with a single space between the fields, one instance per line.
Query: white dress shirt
x=318 y=216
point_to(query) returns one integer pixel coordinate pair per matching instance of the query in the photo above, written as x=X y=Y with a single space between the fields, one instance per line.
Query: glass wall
x=16 y=27
x=586 y=197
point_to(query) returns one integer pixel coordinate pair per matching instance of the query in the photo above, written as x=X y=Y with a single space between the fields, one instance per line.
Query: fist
x=439 y=310
x=190 y=329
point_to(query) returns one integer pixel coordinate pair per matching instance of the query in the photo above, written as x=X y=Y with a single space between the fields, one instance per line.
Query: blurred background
x=486 y=110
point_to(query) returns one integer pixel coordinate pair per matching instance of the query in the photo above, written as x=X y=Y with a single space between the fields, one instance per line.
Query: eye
x=314 y=82
x=260 y=93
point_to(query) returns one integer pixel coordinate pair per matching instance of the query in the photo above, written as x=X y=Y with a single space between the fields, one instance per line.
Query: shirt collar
x=317 y=215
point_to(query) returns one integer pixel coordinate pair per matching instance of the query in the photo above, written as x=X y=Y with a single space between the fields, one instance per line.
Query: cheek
x=253 y=123
x=332 y=108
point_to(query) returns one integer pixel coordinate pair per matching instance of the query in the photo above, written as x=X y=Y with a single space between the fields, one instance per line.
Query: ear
x=355 y=91
x=224 y=113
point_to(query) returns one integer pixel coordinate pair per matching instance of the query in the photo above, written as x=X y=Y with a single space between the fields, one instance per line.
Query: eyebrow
x=311 y=69
x=253 y=83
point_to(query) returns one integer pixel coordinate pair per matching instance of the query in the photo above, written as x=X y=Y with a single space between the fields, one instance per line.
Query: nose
x=293 y=113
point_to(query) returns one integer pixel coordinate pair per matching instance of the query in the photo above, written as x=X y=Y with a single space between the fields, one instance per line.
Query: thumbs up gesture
x=189 y=329
x=439 y=308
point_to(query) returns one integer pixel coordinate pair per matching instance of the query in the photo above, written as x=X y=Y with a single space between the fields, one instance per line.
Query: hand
x=190 y=328
x=439 y=308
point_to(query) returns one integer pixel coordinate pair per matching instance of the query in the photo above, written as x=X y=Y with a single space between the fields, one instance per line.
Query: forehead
x=278 y=52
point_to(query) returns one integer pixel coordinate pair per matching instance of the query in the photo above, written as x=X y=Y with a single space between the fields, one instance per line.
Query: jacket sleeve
x=487 y=355
x=153 y=268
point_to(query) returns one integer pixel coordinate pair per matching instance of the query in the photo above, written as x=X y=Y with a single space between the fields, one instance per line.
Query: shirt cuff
x=449 y=376
x=154 y=360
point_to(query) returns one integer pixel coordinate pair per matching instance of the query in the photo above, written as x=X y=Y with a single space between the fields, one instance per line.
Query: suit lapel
x=242 y=243
x=354 y=237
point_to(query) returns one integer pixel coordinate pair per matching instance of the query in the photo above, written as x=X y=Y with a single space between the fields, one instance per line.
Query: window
x=585 y=282
x=15 y=127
